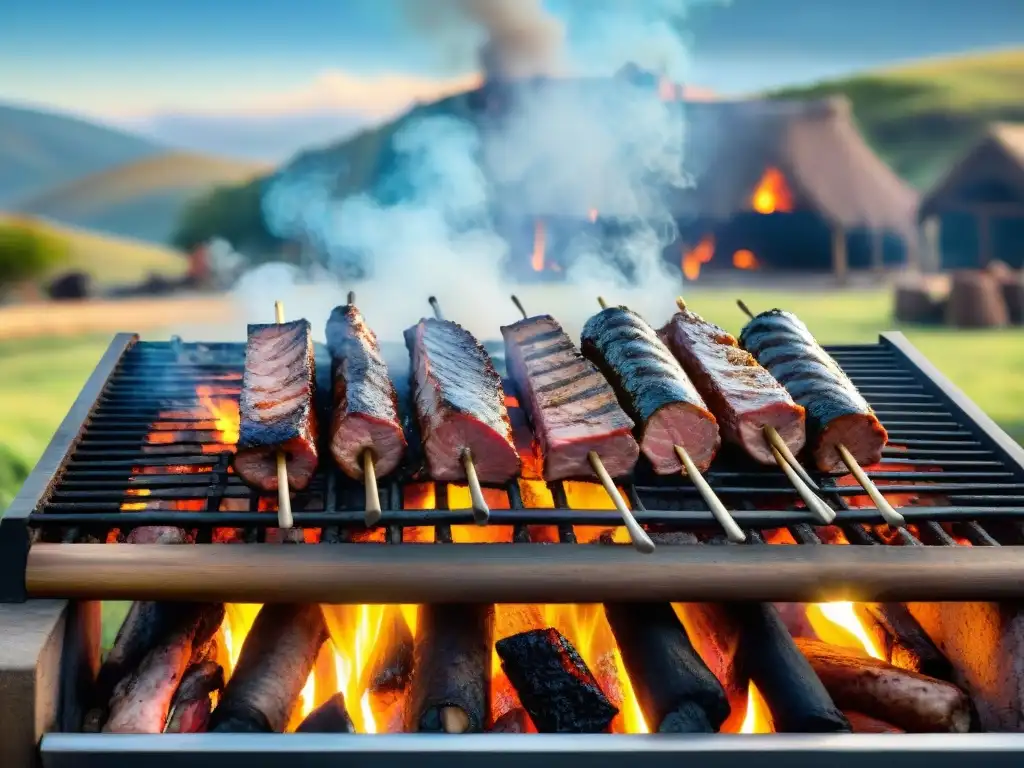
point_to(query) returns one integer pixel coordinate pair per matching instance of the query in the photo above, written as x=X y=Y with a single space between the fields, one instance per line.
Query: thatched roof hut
x=978 y=206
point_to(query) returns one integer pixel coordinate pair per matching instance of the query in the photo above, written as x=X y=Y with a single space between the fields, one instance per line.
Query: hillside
x=39 y=150
x=112 y=260
x=919 y=116
x=143 y=199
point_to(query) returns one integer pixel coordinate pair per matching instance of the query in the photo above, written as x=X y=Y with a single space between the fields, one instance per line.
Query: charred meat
x=837 y=414
x=460 y=404
x=572 y=409
x=744 y=397
x=652 y=388
x=276 y=407
x=365 y=401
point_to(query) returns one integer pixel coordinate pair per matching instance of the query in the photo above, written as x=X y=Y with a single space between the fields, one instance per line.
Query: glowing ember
x=135 y=506
x=701 y=254
x=838 y=624
x=744 y=259
x=537 y=259
x=772 y=194
x=459 y=498
x=593 y=496
x=758 y=718
x=418 y=496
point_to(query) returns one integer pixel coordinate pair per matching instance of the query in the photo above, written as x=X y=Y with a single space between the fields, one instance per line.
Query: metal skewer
x=732 y=531
x=373 y=512
x=284 y=498
x=481 y=512
x=889 y=514
x=641 y=541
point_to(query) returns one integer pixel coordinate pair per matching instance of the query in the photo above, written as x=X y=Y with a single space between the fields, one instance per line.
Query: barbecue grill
x=132 y=452
x=149 y=442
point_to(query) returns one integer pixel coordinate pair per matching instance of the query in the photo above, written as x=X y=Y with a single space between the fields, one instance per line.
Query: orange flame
x=744 y=259
x=537 y=260
x=772 y=194
x=758 y=718
x=837 y=623
x=701 y=254
x=224 y=412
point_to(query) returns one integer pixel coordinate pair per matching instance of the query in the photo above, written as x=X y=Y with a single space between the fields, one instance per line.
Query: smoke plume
x=429 y=225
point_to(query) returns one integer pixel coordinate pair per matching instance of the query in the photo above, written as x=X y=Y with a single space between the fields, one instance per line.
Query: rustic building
x=975 y=214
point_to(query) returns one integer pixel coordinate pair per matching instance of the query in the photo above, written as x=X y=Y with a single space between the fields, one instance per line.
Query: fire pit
x=544 y=620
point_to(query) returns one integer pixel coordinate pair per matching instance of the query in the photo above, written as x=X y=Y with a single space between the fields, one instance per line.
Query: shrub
x=27 y=251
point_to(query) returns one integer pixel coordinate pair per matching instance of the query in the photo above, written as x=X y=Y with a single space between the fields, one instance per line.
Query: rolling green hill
x=919 y=116
x=142 y=199
x=110 y=260
x=39 y=150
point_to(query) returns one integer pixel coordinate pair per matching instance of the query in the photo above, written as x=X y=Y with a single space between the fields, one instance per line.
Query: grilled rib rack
x=957 y=478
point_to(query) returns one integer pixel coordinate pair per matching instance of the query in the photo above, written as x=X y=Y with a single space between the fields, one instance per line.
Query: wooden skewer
x=775 y=441
x=284 y=497
x=373 y=512
x=824 y=512
x=638 y=535
x=746 y=310
x=732 y=531
x=519 y=305
x=892 y=517
x=481 y=512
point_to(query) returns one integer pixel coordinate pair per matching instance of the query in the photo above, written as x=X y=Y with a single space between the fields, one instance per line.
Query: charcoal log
x=676 y=690
x=864 y=724
x=157 y=534
x=390 y=666
x=514 y=721
x=754 y=644
x=142 y=699
x=557 y=690
x=192 y=704
x=277 y=657
x=909 y=700
x=908 y=644
x=330 y=717
x=451 y=683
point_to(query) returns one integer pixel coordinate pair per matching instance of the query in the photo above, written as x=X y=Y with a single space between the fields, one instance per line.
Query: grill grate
x=140 y=435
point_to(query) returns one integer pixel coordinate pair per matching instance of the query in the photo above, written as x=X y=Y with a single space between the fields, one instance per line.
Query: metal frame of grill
x=82 y=478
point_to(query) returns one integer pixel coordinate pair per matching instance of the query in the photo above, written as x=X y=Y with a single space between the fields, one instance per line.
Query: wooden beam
x=984 y=236
x=840 y=263
x=877 y=250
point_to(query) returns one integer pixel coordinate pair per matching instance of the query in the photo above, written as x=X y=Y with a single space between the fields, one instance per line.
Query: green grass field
x=919 y=116
x=42 y=376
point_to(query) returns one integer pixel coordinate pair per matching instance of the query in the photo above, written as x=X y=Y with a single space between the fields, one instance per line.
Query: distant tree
x=231 y=213
x=13 y=471
x=28 y=250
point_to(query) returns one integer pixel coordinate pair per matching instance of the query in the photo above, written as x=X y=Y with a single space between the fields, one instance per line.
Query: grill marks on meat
x=741 y=393
x=836 y=411
x=653 y=388
x=276 y=407
x=460 y=404
x=365 y=401
x=572 y=409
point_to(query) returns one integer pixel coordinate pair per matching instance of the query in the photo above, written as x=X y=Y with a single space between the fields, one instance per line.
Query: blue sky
x=132 y=61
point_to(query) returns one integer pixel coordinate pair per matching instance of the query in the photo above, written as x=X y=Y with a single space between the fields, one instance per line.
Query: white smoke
x=565 y=149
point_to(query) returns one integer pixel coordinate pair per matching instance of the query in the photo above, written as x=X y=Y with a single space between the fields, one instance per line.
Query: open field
x=107 y=259
x=42 y=375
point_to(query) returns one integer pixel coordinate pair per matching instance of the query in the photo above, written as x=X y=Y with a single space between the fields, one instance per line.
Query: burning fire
x=224 y=412
x=744 y=259
x=539 y=237
x=701 y=254
x=772 y=194
x=838 y=624
x=758 y=718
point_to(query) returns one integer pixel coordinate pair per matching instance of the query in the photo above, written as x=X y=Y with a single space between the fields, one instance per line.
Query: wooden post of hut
x=984 y=220
x=840 y=263
x=877 y=250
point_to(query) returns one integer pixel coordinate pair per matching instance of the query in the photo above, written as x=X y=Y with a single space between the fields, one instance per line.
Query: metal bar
x=66 y=750
x=984 y=428
x=14 y=541
x=518 y=573
x=688 y=519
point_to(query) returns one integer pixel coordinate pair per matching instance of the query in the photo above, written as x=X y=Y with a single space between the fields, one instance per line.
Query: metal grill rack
x=955 y=476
